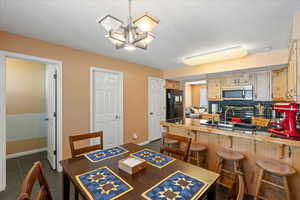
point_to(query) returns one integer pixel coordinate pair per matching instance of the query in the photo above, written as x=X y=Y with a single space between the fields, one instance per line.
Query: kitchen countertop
x=263 y=136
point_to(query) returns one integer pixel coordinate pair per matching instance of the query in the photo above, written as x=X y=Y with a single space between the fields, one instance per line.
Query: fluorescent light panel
x=220 y=55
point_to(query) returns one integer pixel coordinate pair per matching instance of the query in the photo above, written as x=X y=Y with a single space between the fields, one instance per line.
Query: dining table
x=141 y=181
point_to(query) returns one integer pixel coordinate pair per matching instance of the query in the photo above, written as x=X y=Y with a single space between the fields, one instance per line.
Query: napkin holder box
x=132 y=169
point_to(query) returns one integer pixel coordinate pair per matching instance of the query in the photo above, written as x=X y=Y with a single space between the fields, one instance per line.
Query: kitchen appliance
x=286 y=127
x=174 y=103
x=238 y=93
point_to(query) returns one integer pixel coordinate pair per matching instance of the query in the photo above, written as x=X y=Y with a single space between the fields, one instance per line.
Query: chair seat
x=276 y=167
x=230 y=155
x=170 y=141
x=196 y=147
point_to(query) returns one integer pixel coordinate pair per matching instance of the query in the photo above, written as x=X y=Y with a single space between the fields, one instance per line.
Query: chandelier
x=136 y=34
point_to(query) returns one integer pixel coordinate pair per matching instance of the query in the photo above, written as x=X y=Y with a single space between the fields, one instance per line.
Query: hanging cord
x=130 y=19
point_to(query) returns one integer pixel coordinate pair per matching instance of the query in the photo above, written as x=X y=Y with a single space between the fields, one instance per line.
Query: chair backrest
x=183 y=153
x=80 y=151
x=35 y=174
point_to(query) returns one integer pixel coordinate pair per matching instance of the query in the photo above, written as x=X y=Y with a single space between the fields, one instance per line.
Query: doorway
x=156 y=107
x=30 y=109
x=107 y=105
x=196 y=101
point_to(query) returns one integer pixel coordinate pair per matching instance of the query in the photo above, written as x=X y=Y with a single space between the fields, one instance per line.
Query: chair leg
x=286 y=188
x=198 y=158
x=76 y=194
x=259 y=179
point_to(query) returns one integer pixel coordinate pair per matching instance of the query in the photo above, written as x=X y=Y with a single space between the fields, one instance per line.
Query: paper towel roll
x=214 y=108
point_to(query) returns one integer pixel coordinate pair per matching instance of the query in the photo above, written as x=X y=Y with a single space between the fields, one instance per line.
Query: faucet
x=228 y=108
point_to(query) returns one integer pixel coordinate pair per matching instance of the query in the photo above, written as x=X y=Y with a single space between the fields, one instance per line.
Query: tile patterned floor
x=18 y=167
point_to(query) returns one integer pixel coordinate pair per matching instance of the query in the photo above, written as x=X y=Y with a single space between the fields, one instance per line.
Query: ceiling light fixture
x=216 y=56
x=136 y=34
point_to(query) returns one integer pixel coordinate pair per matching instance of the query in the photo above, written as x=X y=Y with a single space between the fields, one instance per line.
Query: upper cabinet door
x=279 y=85
x=214 y=90
x=262 y=86
x=292 y=74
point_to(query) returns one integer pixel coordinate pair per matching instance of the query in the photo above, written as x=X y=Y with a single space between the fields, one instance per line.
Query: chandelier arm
x=140 y=39
x=144 y=48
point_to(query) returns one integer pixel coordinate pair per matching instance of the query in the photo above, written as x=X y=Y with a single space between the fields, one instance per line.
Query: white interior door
x=51 y=85
x=107 y=100
x=157 y=107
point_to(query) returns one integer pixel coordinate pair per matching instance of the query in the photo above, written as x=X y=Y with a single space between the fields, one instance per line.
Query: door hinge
x=54 y=114
x=55 y=76
x=54 y=152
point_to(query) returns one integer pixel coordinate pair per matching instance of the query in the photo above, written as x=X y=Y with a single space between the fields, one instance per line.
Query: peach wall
x=25 y=87
x=76 y=85
x=278 y=57
x=196 y=94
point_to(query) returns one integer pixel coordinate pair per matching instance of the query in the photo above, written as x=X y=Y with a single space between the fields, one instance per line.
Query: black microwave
x=237 y=93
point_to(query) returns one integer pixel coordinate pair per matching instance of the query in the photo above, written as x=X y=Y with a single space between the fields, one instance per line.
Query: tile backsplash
x=237 y=103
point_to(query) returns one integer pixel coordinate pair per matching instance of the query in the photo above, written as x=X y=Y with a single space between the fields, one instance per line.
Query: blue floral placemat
x=100 y=155
x=153 y=158
x=103 y=184
x=177 y=186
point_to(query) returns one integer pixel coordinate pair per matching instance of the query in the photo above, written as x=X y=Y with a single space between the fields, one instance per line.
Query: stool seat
x=276 y=167
x=196 y=147
x=230 y=155
x=170 y=141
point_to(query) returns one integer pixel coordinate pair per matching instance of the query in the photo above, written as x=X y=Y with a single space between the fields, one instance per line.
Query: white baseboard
x=15 y=155
x=144 y=143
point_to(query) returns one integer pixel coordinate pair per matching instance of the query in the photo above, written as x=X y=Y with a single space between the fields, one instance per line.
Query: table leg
x=211 y=195
x=66 y=187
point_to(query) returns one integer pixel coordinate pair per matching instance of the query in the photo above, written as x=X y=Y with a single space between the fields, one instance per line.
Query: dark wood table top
x=141 y=181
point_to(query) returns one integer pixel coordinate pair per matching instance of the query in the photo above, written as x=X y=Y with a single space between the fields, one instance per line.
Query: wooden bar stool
x=279 y=169
x=235 y=158
x=196 y=152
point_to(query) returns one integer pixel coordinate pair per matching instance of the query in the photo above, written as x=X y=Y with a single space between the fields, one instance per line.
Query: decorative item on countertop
x=261 y=109
x=153 y=158
x=103 y=184
x=176 y=186
x=259 y=121
x=100 y=155
x=132 y=165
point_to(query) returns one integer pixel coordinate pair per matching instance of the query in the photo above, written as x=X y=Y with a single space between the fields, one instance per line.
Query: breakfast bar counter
x=256 y=146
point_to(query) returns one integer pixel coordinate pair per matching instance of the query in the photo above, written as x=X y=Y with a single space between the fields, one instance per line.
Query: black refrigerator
x=174 y=101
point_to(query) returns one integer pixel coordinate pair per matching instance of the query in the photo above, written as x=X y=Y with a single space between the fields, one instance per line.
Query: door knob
x=46 y=119
x=151 y=113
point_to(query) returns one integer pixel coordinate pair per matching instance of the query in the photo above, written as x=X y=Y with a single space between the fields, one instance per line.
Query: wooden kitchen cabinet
x=279 y=85
x=292 y=73
x=234 y=80
x=262 y=86
x=170 y=84
x=214 y=89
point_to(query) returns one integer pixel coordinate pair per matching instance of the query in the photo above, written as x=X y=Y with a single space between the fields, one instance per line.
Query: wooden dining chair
x=79 y=151
x=35 y=174
x=178 y=151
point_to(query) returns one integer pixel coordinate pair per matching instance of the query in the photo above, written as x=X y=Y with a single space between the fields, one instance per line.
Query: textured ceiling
x=187 y=27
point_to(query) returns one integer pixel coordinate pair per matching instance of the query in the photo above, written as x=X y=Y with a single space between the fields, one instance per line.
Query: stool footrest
x=261 y=197
x=273 y=184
